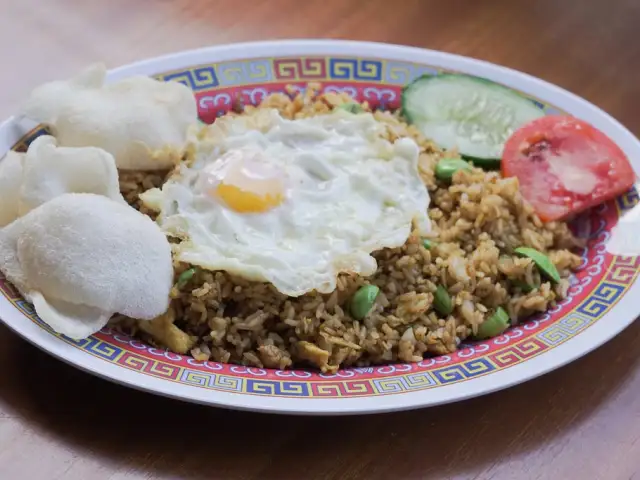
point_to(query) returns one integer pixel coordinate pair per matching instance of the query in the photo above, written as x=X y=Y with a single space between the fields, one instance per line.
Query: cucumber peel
x=484 y=163
x=474 y=115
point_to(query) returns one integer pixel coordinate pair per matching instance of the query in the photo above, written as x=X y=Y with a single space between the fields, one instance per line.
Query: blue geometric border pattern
x=197 y=79
x=470 y=369
x=98 y=348
x=629 y=200
x=274 y=388
x=603 y=297
x=343 y=69
x=355 y=69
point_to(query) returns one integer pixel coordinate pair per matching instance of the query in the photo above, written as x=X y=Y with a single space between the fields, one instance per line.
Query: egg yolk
x=245 y=182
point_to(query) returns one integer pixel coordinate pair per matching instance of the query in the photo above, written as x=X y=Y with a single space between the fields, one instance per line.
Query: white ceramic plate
x=600 y=304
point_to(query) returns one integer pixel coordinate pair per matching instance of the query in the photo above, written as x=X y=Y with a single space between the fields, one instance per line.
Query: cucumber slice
x=475 y=115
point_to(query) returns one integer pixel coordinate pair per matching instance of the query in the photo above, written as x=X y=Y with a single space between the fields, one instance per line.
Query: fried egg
x=293 y=202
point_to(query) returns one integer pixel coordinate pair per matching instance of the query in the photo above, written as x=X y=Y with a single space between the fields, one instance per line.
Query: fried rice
x=478 y=220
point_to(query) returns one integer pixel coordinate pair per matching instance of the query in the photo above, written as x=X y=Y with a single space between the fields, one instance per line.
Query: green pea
x=546 y=266
x=442 y=301
x=363 y=300
x=426 y=243
x=185 y=276
x=446 y=167
x=352 y=107
x=494 y=325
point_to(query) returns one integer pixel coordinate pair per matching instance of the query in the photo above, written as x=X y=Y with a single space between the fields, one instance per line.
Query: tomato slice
x=565 y=165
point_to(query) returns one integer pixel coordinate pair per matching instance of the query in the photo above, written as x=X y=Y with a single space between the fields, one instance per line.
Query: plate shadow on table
x=170 y=439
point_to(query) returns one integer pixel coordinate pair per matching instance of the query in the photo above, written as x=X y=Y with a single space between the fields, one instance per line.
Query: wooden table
x=581 y=422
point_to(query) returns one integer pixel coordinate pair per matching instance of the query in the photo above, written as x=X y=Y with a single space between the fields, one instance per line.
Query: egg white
x=349 y=192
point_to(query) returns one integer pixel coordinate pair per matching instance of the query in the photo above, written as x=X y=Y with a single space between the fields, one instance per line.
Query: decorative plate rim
x=598 y=332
